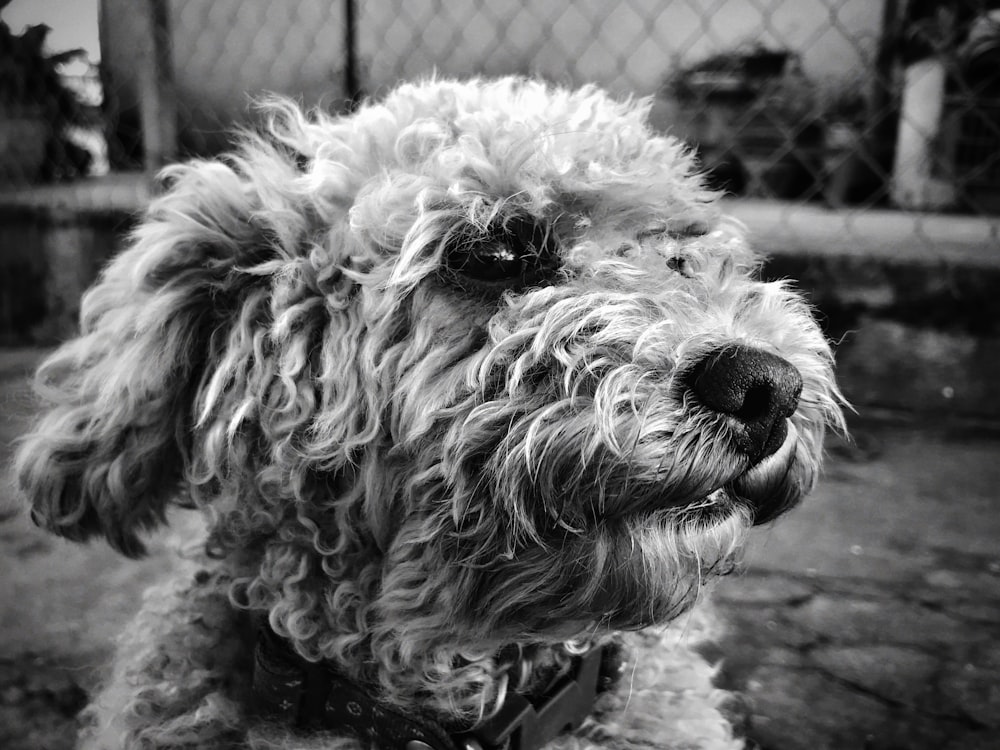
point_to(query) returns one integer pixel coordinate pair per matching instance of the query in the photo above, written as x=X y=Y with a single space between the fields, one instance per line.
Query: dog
x=476 y=389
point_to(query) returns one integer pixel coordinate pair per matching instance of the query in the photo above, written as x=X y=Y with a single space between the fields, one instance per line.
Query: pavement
x=867 y=618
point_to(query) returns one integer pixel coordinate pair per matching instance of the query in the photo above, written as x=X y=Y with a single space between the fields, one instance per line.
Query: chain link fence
x=847 y=104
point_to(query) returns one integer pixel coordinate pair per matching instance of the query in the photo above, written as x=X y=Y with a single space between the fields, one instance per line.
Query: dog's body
x=467 y=382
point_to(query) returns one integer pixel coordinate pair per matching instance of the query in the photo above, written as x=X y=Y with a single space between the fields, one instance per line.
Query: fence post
x=352 y=86
x=157 y=100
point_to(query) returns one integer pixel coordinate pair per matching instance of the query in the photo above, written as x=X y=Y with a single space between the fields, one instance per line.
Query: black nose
x=758 y=389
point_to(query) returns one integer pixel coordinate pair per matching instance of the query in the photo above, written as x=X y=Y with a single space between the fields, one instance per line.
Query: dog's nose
x=759 y=390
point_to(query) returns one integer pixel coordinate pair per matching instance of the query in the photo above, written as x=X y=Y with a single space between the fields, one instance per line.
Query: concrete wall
x=49 y=256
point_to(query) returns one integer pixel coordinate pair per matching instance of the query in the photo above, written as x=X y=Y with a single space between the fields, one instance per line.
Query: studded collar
x=315 y=696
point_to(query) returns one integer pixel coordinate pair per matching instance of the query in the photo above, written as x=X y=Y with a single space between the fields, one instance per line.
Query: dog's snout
x=759 y=390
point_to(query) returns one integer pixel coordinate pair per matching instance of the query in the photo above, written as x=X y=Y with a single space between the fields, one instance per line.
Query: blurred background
x=858 y=140
x=855 y=103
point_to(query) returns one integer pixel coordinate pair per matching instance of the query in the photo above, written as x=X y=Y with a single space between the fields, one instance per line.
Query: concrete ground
x=868 y=618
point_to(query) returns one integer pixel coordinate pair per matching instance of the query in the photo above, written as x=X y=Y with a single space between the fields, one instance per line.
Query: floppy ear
x=108 y=453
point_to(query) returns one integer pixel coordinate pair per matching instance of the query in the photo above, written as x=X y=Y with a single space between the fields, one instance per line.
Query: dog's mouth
x=767 y=488
x=693 y=480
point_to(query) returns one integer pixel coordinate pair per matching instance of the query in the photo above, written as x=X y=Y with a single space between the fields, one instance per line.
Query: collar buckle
x=525 y=725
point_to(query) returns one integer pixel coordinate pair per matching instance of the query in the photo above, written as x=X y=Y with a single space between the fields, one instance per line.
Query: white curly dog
x=476 y=389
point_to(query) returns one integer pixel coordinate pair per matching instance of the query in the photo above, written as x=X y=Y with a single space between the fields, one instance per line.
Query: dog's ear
x=107 y=454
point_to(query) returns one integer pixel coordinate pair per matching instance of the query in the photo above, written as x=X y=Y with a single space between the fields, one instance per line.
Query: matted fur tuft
x=406 y=469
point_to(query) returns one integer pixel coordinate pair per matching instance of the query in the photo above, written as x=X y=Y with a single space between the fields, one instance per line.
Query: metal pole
x=883 y=103
x=352 y=85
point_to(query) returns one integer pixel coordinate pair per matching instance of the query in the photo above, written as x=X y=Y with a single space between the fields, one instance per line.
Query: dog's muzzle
x=755 y=390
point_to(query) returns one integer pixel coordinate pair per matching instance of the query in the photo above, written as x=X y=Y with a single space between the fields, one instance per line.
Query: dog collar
x=308 y=695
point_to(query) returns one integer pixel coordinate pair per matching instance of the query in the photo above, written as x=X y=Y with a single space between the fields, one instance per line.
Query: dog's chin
x=661 y=563
x=623 y=574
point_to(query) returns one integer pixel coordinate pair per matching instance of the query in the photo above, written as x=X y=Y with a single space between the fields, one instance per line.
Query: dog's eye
x=675 y=229
x=493 y=260
x=680 y=264
x=685 y=230
x=517 y=254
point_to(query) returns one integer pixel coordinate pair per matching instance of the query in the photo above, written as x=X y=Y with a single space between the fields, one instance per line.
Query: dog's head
x=478 y=363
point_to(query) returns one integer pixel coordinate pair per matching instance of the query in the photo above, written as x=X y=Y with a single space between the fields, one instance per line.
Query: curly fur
x=406 y=469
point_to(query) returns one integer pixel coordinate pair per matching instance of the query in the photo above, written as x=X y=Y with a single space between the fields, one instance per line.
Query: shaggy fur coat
x=426 y=371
